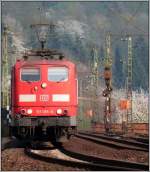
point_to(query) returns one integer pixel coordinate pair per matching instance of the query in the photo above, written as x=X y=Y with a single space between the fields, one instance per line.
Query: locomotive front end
x=44 y=99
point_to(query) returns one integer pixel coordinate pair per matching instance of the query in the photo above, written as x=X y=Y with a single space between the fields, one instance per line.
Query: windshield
x=57 y=74
x=30 y=74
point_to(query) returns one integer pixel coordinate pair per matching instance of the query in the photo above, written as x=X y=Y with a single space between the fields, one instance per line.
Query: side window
x=57 y=74
x=30 y=74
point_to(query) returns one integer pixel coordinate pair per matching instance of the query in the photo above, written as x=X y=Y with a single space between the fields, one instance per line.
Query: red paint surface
x=23 y=87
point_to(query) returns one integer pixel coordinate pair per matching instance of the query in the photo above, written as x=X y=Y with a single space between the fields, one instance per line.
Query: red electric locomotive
x=43 y=97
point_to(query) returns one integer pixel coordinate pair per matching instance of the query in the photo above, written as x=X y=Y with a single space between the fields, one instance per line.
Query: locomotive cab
x=44 y=99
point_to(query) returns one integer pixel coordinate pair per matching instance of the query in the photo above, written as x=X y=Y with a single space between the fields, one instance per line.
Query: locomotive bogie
x=55 y=134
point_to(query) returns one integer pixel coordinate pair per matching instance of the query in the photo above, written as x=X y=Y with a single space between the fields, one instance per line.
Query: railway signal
x=108 y=90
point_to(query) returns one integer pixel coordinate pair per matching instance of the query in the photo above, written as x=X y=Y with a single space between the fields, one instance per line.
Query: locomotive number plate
x=44 y=98
x=46 y=111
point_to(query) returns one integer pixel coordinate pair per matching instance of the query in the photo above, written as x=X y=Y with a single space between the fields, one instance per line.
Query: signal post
x=107 y=92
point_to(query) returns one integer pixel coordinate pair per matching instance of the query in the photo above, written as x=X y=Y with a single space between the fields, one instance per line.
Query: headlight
x=29 y=111
x=59 y=111
x=44 y=85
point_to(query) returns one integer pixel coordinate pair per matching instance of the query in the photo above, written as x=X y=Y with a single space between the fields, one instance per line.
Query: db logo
x=44 y=98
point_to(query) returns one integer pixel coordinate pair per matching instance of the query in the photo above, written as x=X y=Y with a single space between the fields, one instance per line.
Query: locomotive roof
x=22 y=62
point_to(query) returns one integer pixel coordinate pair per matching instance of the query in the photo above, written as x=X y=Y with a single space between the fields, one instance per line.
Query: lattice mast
x=95 y=82
x=95 y=70
x=5 y=87
x=129 y=81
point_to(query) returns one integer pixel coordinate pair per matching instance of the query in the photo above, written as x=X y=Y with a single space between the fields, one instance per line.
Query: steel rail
x=110 y=143
x=141 y=139
x=88 y=162
x=119 y=140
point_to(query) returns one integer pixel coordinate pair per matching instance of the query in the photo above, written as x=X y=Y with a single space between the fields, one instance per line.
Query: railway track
x=9 y=142
x=141 y=139
x=58 y=154
x=114 y=142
